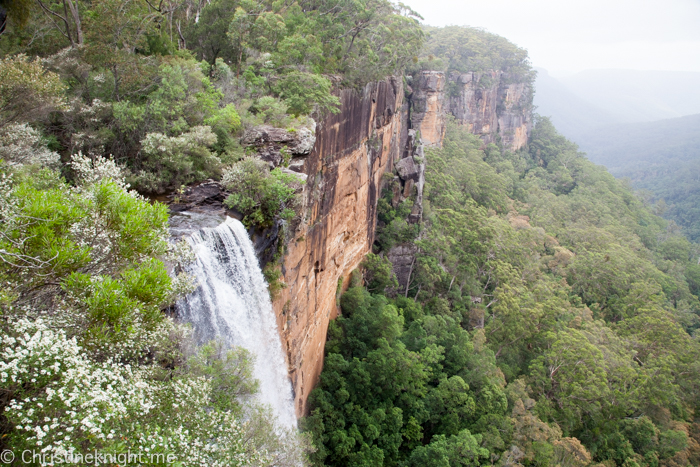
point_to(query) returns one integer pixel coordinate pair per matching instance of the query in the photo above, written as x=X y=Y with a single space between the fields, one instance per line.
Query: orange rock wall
x=487 y=103
x=344 y=171
x=429 y=112
x=491 y=106
x=353 y=149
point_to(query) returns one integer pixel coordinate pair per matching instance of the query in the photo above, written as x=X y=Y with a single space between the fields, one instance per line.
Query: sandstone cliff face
x=353 y=149
x=488 y=103
x=374 y=133
x=428 y=111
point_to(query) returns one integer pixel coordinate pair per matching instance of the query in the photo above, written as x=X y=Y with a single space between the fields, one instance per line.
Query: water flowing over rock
x=232 y=303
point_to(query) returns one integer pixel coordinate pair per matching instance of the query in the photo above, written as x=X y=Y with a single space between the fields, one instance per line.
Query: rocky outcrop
x=278 y=146
x=491 y=104
x=428 y=107
x=403 y=259
x=353 y=149
x=205 y=196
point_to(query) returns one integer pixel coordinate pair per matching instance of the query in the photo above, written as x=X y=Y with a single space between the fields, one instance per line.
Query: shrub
x=270 y=110
x=306 y=92
x=62 y=402
x=172 y=161
x=259 y=194
x=184 y=98
x=21 y=144
x=378 y=273
x=27 y=91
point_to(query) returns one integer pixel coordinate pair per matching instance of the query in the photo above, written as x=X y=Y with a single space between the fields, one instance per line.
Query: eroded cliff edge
x=353 y=149
x=492 y=104
x=378 y=130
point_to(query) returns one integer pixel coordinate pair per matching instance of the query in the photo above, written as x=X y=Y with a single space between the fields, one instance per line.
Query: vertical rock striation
x=491 y=104
x=353 y=149
x=428 y=109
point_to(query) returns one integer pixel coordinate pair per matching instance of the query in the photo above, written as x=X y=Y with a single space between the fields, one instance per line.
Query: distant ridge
x=638 y=96
x=622 y=147
x=571 y=114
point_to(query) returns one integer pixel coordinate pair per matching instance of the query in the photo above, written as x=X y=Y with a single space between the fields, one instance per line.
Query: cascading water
x=232 y=303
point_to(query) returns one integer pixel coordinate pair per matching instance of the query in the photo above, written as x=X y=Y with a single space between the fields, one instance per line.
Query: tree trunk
x=73 y=6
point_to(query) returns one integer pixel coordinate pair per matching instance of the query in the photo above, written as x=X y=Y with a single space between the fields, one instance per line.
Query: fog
x=565 y=37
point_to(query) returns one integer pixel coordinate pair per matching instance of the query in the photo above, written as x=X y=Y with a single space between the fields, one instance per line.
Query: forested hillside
x=549 y=320
x=661 y=160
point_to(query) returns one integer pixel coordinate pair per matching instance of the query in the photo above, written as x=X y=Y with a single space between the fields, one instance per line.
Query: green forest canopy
x=661 y=159
x=550 y=320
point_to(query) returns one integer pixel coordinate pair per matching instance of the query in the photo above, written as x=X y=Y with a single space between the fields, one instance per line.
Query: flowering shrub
x=89 y=171
x=21 y=144
x=27 y=90
x=172 y=161
x=62 y=402
x=88 y=360
x=88 y=254
x=259 y=194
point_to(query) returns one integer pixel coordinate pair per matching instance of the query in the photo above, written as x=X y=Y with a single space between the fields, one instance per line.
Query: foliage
x=86 y=353
x=378 y=273
x=392 y=225
x=21 y=144
x=183 y=98
x=48 y=376
x=303 y=91
x=172 y=161
x=275 y=280
x=472 y=50
x=551 y=323
x=118 y=71
x=260 y=194
x=660 y=160
x=27 y=91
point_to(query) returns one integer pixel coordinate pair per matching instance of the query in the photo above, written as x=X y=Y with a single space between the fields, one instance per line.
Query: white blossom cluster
x=95 y=230
x=91 y=170
x=181 y=253
x=21 y=144
x=62 y=402
x=88 y=119
x=235 y=174
x=170 y=146
x=125 y=344
x=9 y=204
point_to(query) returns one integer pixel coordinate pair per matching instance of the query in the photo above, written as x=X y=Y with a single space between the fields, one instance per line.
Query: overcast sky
x=566 y=36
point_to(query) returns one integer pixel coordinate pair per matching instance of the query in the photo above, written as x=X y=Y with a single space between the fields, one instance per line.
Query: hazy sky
x=565 y=36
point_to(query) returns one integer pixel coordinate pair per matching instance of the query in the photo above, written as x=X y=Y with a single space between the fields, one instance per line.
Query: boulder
x=403 y=259
x=206 y=195
x=408 y=169
x=270 y=142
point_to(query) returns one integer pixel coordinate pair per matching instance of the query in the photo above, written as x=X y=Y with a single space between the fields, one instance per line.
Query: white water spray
x=232 y=303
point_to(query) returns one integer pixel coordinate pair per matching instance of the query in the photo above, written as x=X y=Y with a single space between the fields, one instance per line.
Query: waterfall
x=232 y=303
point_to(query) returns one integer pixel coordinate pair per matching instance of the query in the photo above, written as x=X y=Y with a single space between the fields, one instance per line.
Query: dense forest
x=550 y=317
x=660 y=159
x=549 y=320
